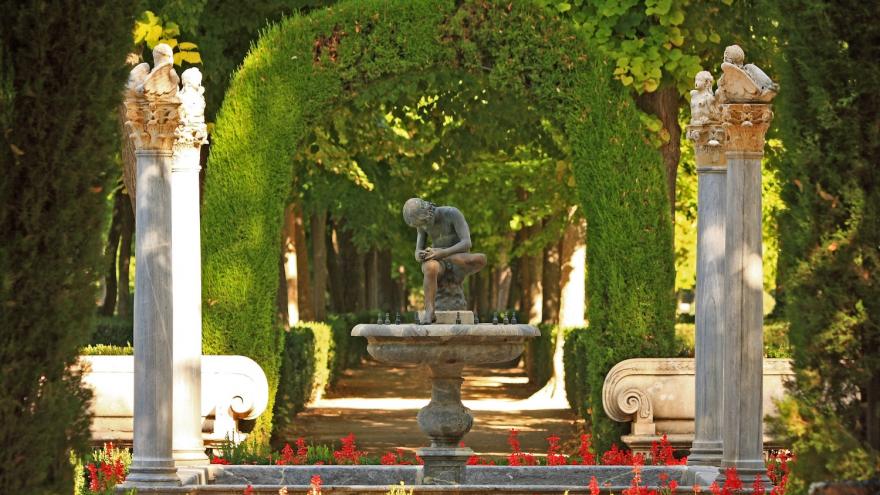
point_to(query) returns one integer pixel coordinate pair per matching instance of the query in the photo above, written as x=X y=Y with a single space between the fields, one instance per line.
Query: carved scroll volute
x=151 y=102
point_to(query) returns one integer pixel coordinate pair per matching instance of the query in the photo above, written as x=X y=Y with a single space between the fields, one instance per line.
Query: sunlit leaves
x=150 y=30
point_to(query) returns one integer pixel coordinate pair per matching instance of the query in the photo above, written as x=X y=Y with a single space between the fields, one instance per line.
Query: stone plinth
x=656 y=396
x=450 y=317
x=234 y=388
x=445 y=349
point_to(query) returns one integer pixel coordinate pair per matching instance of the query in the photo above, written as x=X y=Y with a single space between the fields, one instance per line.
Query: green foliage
x=305 y=369
x=60 y=84
x=106 y=350
x=629 y=237
x=776 y=344
x=575 y=359
x=655 y=41
x=113 y=330
x=538 y=356
x=303 y=65
x=151 y=30
x=827 y=117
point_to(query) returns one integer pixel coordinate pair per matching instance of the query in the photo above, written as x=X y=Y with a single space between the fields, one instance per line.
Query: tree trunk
x=123 y=298
x=304 y=279
x=334 y=268
x=665 y=104
x=371 y=278
x=550 y=277
x=535 y=291
x=484 y=306
x=110 y=287
x=319 y=264
x=403 y=289
x=385 y=282
x=290 y=267
x=358 y=280
x=503 y=281
x=572 y=301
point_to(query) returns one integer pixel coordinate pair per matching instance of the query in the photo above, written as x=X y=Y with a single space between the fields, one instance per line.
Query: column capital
x=709 y=140
x=152 y=103
x=745 y=125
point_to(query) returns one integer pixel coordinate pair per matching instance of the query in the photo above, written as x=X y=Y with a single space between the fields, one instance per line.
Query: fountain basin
x=448 y=344
x=445 y=349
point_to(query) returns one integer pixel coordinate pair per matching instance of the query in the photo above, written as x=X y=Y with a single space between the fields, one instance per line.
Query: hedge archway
x=308 y=63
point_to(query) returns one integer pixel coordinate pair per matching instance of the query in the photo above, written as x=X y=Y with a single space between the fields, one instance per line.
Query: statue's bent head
x=418 y=212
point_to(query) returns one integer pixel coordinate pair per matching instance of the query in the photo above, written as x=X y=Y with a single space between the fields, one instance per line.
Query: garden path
x=378 y=403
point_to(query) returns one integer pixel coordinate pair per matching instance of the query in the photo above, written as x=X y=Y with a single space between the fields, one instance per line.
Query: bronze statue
x=447 y=262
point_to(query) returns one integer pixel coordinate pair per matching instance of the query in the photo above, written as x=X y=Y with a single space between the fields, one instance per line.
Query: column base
x=706 y=454
x=190 y=457
x=152 y=473
x=746 y=471
x=444 y=465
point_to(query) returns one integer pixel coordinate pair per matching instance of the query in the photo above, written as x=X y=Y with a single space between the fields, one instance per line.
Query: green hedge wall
x=62 y=70
x=538 y=356
x=304 y=65
x=827 y=115
x=315 y=356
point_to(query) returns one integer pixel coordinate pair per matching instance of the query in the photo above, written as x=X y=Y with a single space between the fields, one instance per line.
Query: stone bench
x=234 y=389
x=656 y=396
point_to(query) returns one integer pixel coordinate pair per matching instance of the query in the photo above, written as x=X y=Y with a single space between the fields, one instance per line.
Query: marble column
x=151 y=119
x=708 y=142
x=186 y=271
x=745 y=125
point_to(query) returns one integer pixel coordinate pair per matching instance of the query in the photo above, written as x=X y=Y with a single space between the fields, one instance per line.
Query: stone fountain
x=445 y=337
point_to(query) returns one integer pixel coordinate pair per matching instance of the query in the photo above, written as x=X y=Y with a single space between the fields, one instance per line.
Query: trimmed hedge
x=113 y=330
x=304 y=65
x=62 y=70
x=575 y=358
x=538 y=356
x=314 y=358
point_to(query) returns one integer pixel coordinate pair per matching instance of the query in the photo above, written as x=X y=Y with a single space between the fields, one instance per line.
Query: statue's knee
x=431 y=268
x=479 y=261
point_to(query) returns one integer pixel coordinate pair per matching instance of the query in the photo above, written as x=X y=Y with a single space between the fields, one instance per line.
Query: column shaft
x=745 y=125
x=712 y=182
x=186 y=265
x=152 y=462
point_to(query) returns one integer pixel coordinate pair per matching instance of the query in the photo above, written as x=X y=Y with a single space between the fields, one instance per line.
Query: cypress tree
x=61 y=75
x=829 y=118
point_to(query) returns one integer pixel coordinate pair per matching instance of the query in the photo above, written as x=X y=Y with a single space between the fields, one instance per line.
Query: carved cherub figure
x=192 y=101
x=704 y=107
x=743 y=83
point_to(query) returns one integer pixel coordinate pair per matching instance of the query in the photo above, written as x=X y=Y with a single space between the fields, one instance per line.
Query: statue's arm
x=464 y=234
x=421 y=239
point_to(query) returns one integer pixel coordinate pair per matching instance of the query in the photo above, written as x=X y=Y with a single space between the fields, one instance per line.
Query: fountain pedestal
x=445 y=349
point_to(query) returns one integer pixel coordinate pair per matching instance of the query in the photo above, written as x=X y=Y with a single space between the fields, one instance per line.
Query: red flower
x=662 y=454
x=388 y=459
x=93 y=477
x=758 y=486
x=348 y=454
x=714 y=488
x=732 y=483
x=286 y=456
x=594 y=486
x=218 y=460
x=673 y=485
x=315 y=483
x=587 y=457
x=249 y=490
x=554 y=458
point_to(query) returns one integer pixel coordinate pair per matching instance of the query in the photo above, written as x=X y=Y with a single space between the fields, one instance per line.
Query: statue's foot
x=429 y=317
